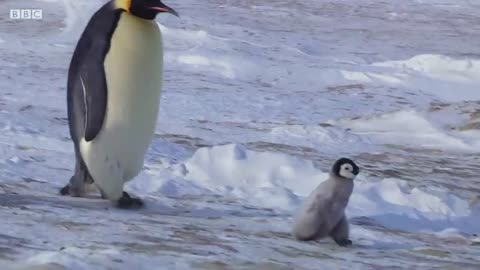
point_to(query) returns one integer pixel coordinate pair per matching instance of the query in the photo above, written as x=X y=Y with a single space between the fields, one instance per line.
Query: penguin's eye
x=347 y=167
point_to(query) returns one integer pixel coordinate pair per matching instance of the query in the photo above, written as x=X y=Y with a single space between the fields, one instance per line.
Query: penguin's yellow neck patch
x=123 y=4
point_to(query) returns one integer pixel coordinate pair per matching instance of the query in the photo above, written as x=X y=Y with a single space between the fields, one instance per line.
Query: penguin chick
x=323 y=212
x=113 y=97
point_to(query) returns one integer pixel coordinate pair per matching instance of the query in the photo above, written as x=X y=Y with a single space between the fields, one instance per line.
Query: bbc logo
x=26 y=14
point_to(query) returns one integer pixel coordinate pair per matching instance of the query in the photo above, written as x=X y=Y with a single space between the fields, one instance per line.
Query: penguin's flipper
x=94 y=88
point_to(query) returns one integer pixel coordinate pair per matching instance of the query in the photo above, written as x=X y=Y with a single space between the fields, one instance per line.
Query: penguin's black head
x=145 y=9
x=345 y=168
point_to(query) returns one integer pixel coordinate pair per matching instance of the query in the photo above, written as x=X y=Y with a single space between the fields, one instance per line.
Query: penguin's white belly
x=133 y=69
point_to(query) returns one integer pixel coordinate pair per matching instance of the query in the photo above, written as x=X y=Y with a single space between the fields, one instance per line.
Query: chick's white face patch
x=346 y=170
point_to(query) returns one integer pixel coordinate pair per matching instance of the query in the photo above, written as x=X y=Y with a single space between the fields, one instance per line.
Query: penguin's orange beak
x=165 y=8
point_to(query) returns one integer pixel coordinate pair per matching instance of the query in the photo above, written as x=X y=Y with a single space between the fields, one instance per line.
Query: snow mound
x=447 y=78
x=223 y=67
x=439 y=67
x=411 y=128
x=281 y=182
x=266 y=177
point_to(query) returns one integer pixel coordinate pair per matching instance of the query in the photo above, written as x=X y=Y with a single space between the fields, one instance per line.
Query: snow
x=259 y=100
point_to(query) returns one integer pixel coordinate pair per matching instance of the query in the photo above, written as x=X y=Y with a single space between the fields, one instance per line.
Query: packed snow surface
x=259 y=100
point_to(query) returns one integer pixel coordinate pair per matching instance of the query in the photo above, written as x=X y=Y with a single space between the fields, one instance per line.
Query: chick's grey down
x=323 y=212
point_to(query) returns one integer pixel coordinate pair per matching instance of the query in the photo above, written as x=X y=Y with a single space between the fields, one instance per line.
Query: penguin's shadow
x=89 y=202
x=153 y=207
x=22 y=201
x=356 y=246
x=96 y=203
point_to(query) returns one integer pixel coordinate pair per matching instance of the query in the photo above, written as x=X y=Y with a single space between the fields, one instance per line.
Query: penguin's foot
x=103 y=195
x=65 y=190
x=76 y=187
x=343 y=242
x=68 y=190
x=127 y=202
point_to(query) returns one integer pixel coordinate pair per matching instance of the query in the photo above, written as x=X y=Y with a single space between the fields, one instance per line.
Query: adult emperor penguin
x=113 y=96
x=323 y=213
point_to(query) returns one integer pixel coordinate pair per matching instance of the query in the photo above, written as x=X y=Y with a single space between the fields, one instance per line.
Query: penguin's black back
x=99 y=29
x=87 y=71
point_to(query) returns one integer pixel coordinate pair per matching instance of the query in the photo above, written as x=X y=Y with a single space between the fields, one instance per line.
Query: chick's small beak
x=165 y=8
